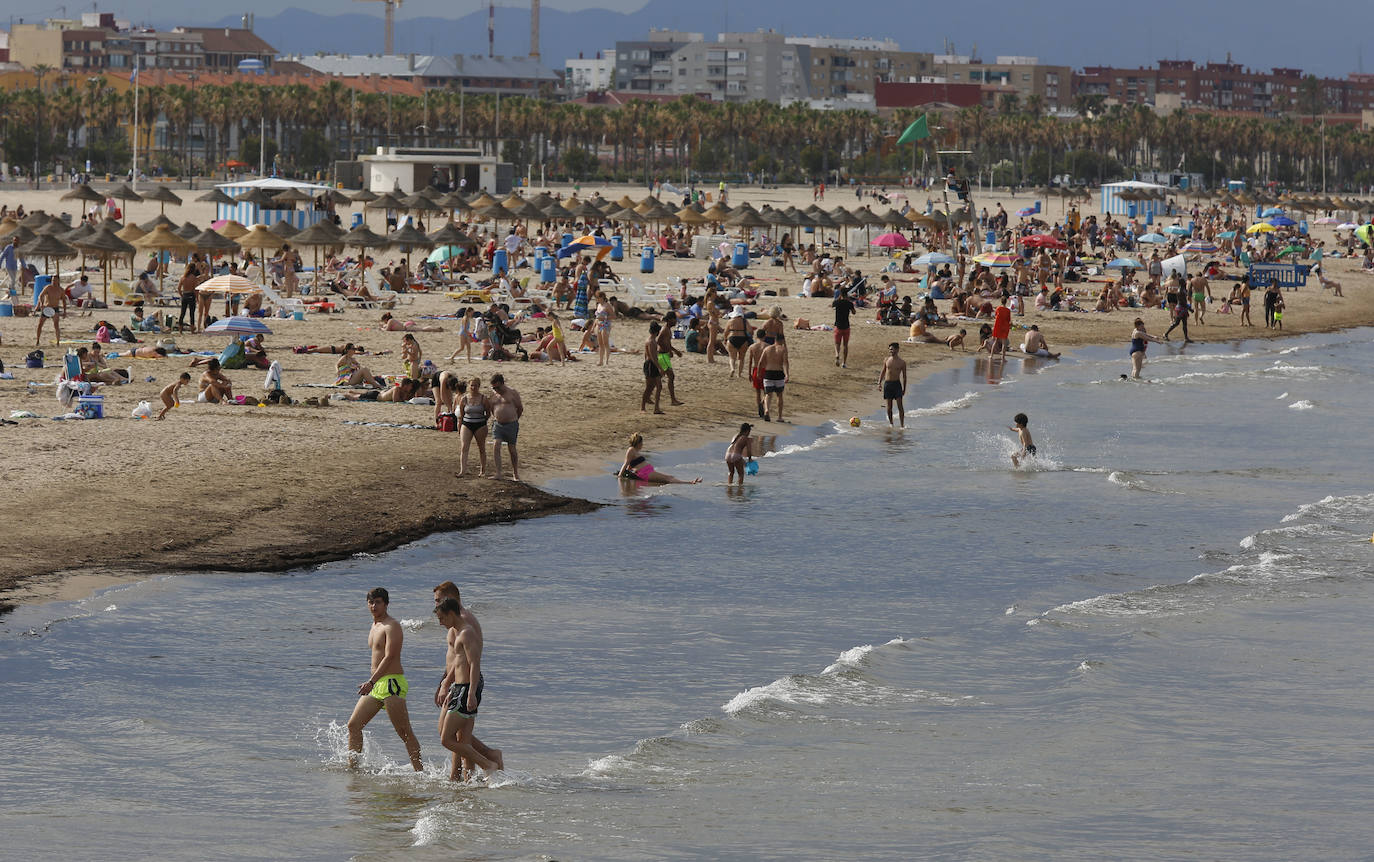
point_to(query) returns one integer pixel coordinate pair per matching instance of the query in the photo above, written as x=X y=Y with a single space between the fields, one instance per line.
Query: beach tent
x=251 y=213
x=1113 y=203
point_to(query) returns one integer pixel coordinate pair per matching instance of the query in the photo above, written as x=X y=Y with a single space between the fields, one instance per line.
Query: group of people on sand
x=457 y=697
x=462 y=406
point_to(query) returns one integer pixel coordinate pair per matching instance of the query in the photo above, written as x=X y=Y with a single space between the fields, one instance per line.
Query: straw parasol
x=81 y=231
x=555 y=211
x=48 y=247
x=407 y=238
x=719 y=212
x=317 y=236
x=34 y=220
x=689 y=215
x=526 y=210
x=164 y=196
x=163 y=239
x=290 y=197
x=21 y=235
x=284 y=229
x=84 y=192
x=232 y=230
x=453 y=201
x=388 y=201
x=362 y=196
x=216 y=196
x=7 y=225
x=214 y=243
x=257 y=196
x=421 y=202
x=52 y=227
x=126 y=194
x=187 y=231
x=746 y=217
x=155 y=222
x=363 y=238
x=262 y=239
x=627 y=214
x=104 y=242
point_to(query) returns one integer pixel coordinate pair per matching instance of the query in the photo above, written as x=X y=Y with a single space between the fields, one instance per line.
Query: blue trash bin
x=537 y=262
x=1302 y=228
x=357 y=220
x=1149 y=217
x=646 y=259
x=617 y=247
x=500 y=261
x=541 y=251
x=992 y=238
x=1131 y=209
x=548 y=270
x=740 y=260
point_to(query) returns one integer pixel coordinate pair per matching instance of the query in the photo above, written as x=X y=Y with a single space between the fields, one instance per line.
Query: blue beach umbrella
x=1272 y=211
x=239 y=326
x=1153 y=238
x=933 y=258
x=1124 y=263
x=586 y=243
x=1177 y=230
x=1282 y=221
x=1228 y=234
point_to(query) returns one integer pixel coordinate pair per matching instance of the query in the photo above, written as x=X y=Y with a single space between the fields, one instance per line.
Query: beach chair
x=120 y=294
x=293 y=303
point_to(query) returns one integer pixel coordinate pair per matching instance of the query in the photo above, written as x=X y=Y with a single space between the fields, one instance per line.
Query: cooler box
x=548 y=271
x=741 y=256
x=646 y=259
x=617 y=247
x=91 y=406
x=6 y=309
x=500 y=261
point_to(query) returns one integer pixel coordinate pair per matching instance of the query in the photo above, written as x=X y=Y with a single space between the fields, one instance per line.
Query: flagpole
x=134 y=177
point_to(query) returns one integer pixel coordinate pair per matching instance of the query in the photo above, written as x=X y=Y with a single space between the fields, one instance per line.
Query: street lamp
x=190 y=121
x=39 y=71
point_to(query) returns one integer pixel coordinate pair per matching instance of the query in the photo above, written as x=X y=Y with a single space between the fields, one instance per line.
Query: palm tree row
x=643 y=140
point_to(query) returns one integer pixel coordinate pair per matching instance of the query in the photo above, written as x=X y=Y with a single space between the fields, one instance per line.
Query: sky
x=1326 y=37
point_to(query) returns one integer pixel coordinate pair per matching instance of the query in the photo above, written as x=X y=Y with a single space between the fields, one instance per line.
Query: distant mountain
x=1070 y=32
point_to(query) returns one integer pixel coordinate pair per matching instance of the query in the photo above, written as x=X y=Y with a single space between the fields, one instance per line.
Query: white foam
x=1281 y=397
x=413 y=625
x=1358 y=506
x=1301 y=405
x=1248 y=542
x=112 y=608
x=428 y=829
x=946 y=407
x=1009 y=611
x=786 y=690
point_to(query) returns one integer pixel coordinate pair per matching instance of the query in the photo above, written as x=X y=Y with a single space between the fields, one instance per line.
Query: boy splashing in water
x=1024 y=436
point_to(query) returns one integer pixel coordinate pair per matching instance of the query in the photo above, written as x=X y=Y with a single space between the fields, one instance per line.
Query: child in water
x=1023 y=434
x=738 y=452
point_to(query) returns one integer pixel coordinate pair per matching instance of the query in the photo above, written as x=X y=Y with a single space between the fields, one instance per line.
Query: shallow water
x=1149 y=643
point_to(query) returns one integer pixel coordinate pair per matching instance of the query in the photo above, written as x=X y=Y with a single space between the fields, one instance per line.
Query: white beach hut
x=1112 y=202
x=302 y=216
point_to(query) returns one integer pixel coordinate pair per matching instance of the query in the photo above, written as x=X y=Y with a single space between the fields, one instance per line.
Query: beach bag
x=447 y=422
x=144 y=410
x=103 y=335
x=34 y=359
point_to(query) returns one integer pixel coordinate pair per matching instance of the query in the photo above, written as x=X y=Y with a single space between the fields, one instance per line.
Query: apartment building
x=1024 y=77
x=583 y=75
x=841 y=69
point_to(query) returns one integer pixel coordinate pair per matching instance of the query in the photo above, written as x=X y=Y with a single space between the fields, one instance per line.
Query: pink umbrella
x=890 y=240
x=1042 y=240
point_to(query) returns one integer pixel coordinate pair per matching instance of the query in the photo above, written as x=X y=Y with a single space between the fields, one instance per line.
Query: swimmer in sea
x=386 y=688
x=1139 y=339
x=1020 y=421
x=636 y=468
x=739 y=451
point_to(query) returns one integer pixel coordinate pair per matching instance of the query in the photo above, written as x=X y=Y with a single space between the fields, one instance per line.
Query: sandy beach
x=247 y=488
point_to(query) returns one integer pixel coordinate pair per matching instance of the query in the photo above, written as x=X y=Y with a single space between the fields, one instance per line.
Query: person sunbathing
x=353 y=373
x=403 y=390
x=391 y=324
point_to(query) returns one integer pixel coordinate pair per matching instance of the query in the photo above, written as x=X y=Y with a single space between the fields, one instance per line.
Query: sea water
x=1151 y=641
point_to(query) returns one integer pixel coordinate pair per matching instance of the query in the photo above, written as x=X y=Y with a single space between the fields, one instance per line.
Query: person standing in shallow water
x=386 y=688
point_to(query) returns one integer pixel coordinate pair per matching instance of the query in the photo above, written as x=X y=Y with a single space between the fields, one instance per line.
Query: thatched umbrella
x=407 y=238
x=7 y=225
x=362 y=196
x=453 y=202
x=256 y=196
x=232 y=230
x=48 y=247
x=54 y=226
x=450 y=237
x=128 y=196
x=718 y=213
x=482 y=201
x=214 y=243
x=288 y=198
x=84 y=192
x=129 y=233
x=363 y=238
x=845 y=219
x=555 y=211
x=526 y=210
x=284 y=229
x=691 y=216
x=164 y=196
x=588 y=210
x=103 y=241
x=157 y=221
x=262 y=239
x=74 y=237
x=317 y=236
x=34 y=220
x=160 y=240
x=388 y=201
x=187 y=231
x=216 y=196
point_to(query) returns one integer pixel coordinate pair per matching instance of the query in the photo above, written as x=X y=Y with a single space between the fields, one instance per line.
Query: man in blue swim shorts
x=386 y=688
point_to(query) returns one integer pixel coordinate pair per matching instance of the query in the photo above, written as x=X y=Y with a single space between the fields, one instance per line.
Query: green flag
x=915 y=132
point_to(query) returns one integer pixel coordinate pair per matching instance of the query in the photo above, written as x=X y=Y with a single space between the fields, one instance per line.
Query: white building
x=583 y=75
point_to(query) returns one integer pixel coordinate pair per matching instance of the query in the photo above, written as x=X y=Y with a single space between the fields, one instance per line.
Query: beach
x=249 y=488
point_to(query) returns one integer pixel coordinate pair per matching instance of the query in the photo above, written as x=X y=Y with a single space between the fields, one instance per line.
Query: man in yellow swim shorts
x=386 y=688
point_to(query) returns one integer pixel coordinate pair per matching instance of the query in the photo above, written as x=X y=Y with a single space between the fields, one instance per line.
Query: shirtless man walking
x=463 y=684
x=756 y=371
x=505 y=426
x=653 y=375
x=52 y=302
x=666 y=350
x=776 y=370
x=386 y=688
x=892 y=378
x=449 y=590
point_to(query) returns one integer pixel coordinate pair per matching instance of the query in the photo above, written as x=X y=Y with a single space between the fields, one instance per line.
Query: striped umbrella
x=996 y=258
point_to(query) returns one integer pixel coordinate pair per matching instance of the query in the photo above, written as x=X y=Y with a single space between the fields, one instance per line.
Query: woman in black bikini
x=737 y=341
x=474 y=409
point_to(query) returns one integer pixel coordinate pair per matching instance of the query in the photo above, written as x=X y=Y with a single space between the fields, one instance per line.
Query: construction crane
x=391 y=6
